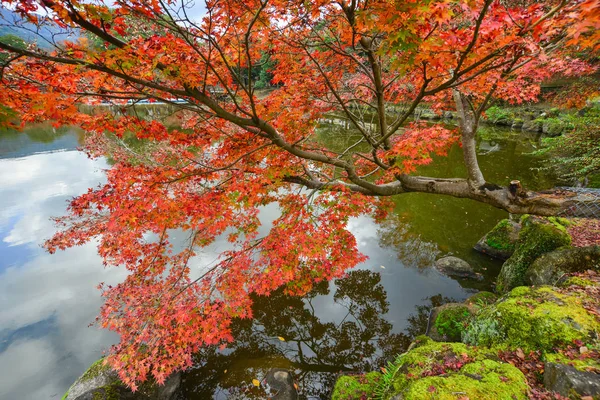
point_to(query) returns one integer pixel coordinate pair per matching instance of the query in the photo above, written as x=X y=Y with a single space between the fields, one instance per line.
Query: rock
x=482 y=299
x=100 y=382
x=429 y=114
x=553 y=127
x=550 y=267
x=540 y=318
x=451 y=371
x=352 y=387
x=456 y=268
x=532 y=126
x=448 y=322
x=517 y=124
x=565 y=379
x=281 y=382
x=449 y=114
x=501 y=241
x=537 y=236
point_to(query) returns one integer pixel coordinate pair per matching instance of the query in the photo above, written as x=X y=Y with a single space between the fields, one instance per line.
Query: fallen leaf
x=583 y=350
x=431 y=389
x=280 y=338
x=256 y=382
x=520 y=354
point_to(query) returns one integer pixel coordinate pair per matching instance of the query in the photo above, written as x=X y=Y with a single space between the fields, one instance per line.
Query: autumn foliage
x=228 y=153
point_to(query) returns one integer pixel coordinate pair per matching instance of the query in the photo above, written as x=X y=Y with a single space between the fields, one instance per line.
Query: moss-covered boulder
x=553 y=127
x=537 y=237
x=356 y=387
x=445 y=371
x=550 y=267
x=100 y=382
x=481 y=299
x=448 y=322
x=501 y=241
x=539 y=318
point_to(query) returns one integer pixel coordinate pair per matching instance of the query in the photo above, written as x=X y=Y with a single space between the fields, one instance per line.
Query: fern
x=385 y=387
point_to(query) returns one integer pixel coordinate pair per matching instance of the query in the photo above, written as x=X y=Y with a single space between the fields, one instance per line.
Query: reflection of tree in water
x=316 y=348
x=396 y=233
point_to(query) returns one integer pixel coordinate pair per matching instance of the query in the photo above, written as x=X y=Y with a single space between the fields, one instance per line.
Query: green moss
x=500 y=236
x=536 y=238
x=535 y=319
x=451 y=322
x=560 y=222
x=578 y=281
x=108 y=392
x=482 y=299
x=460 y=371
x=355 y=387
x=478 y=380
x=94 y=370
x=581 y=364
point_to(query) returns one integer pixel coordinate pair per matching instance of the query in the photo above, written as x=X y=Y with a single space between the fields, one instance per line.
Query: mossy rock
x=537 y=237
x=550 y=267
x=356 y=387
x=482 y=299
x=501 y=241
x=100 y=382
x=445 y=371
x=553 y=127
x=577 y=281
x=539 y=318
x=580 y=364
x=449 y=321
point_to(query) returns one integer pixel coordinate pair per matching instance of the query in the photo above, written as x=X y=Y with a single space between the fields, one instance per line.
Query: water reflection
x=38 y=138
x=46 y=301
x=355 y=323
x=315 y=347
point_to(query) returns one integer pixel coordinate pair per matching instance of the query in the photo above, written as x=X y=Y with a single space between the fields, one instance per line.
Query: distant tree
x=575 y=155
x=14 y=41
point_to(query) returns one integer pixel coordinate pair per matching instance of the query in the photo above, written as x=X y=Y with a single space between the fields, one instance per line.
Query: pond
x=355 y=323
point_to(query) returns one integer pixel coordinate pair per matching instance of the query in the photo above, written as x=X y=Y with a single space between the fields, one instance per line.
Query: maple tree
x=232 y=152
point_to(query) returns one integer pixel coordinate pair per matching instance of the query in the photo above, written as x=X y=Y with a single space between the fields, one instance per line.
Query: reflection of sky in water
x=48 y=301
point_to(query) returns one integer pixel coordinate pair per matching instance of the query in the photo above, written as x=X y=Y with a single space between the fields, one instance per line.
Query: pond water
x=352 y=324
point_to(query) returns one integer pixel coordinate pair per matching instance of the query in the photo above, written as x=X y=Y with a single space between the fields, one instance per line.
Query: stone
x=517 y=124
x=451 y=371
x=549 y=268
x=481 y=299
x=567 y=380
x=100 y=382
x=501 y=241
x=448 y=322
x=537 y=236
x=553 y=127
x=540 y=318
x=532 y=126
x=280 y=382
x=456 y=268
